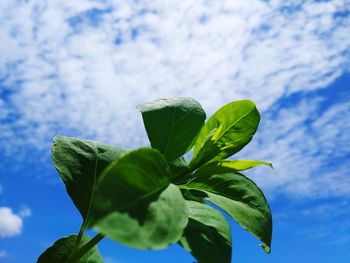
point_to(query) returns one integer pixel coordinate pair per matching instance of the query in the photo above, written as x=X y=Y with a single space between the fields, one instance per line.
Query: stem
x=183 y=176
x=86 y=247
x=80 y=235
x=89 y=245
x=84 y=224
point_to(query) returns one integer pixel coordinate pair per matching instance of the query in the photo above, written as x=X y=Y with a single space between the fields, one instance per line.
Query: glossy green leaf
x=61 y=252
x=239 y=196
x=153 y=223
x=134 y=203
x=80 y=163
x=207 y=236
x=172 y=124
x=226 y=132
x=241 y=165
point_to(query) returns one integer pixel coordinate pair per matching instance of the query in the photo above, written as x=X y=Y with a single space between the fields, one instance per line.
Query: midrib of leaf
x=182 y=132
x=172 y=129
x=216 y=129
x=231 y=144
x=170 y=133
x=141 y=198
x=85 y=221
x=93 y=188
x=222 y=134
x=183 y=117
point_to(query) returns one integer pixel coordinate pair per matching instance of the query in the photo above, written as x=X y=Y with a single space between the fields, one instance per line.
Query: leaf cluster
x=150 y=198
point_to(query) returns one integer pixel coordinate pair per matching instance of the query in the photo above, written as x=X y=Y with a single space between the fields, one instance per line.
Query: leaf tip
x=140 y=107
x=266 y=248
x=56 y=137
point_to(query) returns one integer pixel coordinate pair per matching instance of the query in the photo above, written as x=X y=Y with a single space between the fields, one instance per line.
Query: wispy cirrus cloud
x=323 y=222
x=309 y=146
x=80 y=68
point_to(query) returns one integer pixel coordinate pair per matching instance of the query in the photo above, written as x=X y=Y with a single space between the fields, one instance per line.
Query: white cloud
x=10 y=223
x=326 y=211
x=83 y=67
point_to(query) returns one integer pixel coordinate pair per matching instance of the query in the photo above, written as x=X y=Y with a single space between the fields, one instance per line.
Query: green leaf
x=127 y=188
x=61 y=252
x=135 y=205
x=241 y=165
x=154 y=223
x=172 y=124
x=237 y=195
x=207 y=236
x=226 y=132
x=80 y=163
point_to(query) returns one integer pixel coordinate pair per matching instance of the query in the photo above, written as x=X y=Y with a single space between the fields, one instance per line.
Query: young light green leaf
x=207 y=236
x=172 y=124
x=134 y=203
x=226 y=132
x=239 y=196
x=241 y=165
x=80 y=163
x=62 y=250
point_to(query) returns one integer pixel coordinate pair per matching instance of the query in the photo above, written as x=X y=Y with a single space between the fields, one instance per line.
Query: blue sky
x=79 y=68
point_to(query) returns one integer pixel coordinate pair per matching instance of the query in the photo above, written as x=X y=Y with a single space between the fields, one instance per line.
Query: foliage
x=150 y=198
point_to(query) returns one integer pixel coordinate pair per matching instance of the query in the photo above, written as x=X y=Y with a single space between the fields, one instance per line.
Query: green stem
x=89 y=245
x=84 y=224
x=80 y=235
x=185 y=174
x=85 y=248
x=77 y=242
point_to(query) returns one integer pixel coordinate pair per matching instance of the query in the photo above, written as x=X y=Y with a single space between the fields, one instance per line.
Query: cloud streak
x=307 y=145
x=80 y=68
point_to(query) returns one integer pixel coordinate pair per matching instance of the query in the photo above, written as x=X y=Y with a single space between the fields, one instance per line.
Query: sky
x=79 y=68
